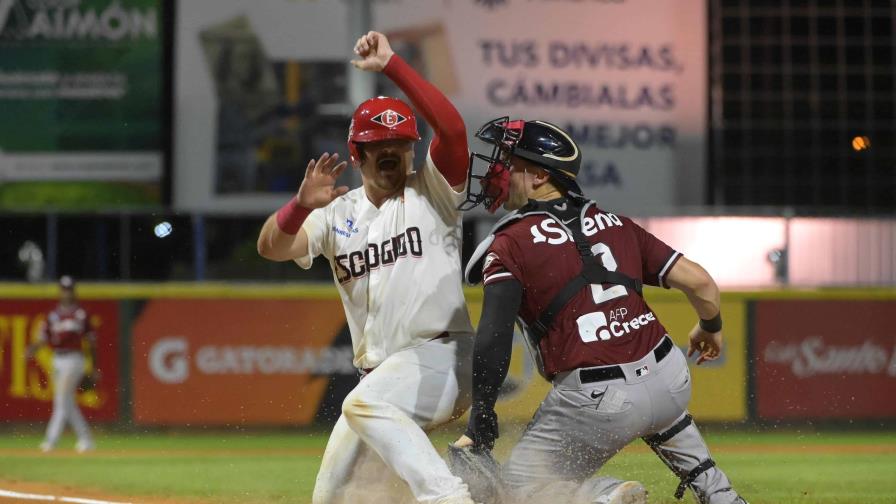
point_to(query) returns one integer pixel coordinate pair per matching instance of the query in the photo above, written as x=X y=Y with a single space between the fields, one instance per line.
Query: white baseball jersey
x=397 y=267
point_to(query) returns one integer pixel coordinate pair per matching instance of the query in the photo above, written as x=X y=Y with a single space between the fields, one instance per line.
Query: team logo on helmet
x=389 y=118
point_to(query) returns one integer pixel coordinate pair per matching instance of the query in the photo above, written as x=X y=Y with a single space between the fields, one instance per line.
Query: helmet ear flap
x=356 y=153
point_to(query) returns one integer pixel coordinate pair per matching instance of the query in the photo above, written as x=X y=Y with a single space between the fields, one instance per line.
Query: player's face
x=386 y=164
x=522 y=180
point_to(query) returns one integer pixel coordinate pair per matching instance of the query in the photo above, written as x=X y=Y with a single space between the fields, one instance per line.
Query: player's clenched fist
x=318 y=188
x=374 y=50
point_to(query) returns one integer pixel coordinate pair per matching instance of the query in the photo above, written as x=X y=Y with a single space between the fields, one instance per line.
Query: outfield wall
x=227 y=354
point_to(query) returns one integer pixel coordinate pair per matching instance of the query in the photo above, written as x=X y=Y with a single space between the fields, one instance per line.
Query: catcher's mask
x=540 y=142
x=378 y=119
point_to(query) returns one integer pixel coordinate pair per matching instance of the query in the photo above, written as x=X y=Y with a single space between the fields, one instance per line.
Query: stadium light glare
x=860 y=143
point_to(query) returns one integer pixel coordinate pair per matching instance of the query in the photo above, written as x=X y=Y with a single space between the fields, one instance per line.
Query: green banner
x=80 y=103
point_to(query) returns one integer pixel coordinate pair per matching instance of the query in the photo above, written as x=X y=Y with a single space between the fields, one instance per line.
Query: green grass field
x=280 y=466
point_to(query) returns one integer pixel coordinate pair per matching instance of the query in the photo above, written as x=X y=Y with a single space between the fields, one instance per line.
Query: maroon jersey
x=65 y=327
x=601 y=325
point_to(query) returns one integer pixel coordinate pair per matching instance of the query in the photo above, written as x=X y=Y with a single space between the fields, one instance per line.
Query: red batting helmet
x=381 y=118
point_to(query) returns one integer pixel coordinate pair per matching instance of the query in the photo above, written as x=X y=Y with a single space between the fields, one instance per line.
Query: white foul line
x=17 y=495
x=28 y=496
x=87 y=501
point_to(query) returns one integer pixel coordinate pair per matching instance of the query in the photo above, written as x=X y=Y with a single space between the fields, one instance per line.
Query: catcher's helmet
x=540 y=142
x=381 y=118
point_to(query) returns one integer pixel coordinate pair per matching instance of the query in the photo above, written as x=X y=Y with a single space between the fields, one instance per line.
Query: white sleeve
x=318 y=232
x=433 y=184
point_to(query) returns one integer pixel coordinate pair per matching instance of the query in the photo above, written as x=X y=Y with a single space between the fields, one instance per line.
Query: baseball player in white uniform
x=394 y=248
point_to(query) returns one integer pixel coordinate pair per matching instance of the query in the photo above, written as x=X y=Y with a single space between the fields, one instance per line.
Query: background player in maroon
x=66 y=328
x=573 y=273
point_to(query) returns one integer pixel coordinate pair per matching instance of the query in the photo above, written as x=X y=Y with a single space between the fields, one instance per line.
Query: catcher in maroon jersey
x=66 y=327
x=571 y=274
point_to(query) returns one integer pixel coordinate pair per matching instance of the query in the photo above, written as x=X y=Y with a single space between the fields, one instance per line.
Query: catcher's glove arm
x=470 y=458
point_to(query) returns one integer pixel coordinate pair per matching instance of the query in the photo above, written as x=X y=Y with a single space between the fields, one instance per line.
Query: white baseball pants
x=68 y=369
x=381 y=432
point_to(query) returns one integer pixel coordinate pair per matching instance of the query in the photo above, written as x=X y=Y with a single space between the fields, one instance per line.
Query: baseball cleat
x=629 y=492
x=84 y=446
x=46 y=447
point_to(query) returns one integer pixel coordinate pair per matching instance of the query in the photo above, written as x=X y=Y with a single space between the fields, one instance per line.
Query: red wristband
x=291 y=216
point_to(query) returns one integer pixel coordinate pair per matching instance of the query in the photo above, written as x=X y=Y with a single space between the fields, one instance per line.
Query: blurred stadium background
x=143 y=143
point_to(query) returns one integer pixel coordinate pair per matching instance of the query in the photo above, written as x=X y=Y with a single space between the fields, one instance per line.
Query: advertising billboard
x=26 y=387
x=239 y=361
x=824 y=359
x=81 y=95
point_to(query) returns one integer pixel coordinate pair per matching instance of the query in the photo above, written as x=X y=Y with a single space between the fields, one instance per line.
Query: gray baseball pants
x=579 y=426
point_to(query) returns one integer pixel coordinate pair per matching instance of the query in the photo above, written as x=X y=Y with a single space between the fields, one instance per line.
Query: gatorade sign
x=236 y=362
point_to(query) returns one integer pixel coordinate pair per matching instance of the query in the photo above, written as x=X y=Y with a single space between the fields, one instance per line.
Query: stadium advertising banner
x=26 y=387
x=825 y=359
x=240 y=362
x=80 y=91
x=253 y=95
x=626 y=77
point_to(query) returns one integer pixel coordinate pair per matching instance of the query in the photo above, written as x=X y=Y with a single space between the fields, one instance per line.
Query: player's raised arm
x=703 y=294
x=282 y=237
x=448 y=149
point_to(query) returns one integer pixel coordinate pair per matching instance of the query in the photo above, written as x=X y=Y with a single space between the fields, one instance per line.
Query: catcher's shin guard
x=682 y=449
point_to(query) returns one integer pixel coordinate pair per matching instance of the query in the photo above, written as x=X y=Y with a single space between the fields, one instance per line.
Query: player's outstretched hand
x=319 y=186
x=707 y=345
x=374 y=50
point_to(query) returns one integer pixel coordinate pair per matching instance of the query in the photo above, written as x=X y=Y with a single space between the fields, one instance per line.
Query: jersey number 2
x=601 y=295
x=593 y=326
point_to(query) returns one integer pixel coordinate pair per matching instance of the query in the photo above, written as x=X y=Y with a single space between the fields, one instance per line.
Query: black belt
x=605 y=373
